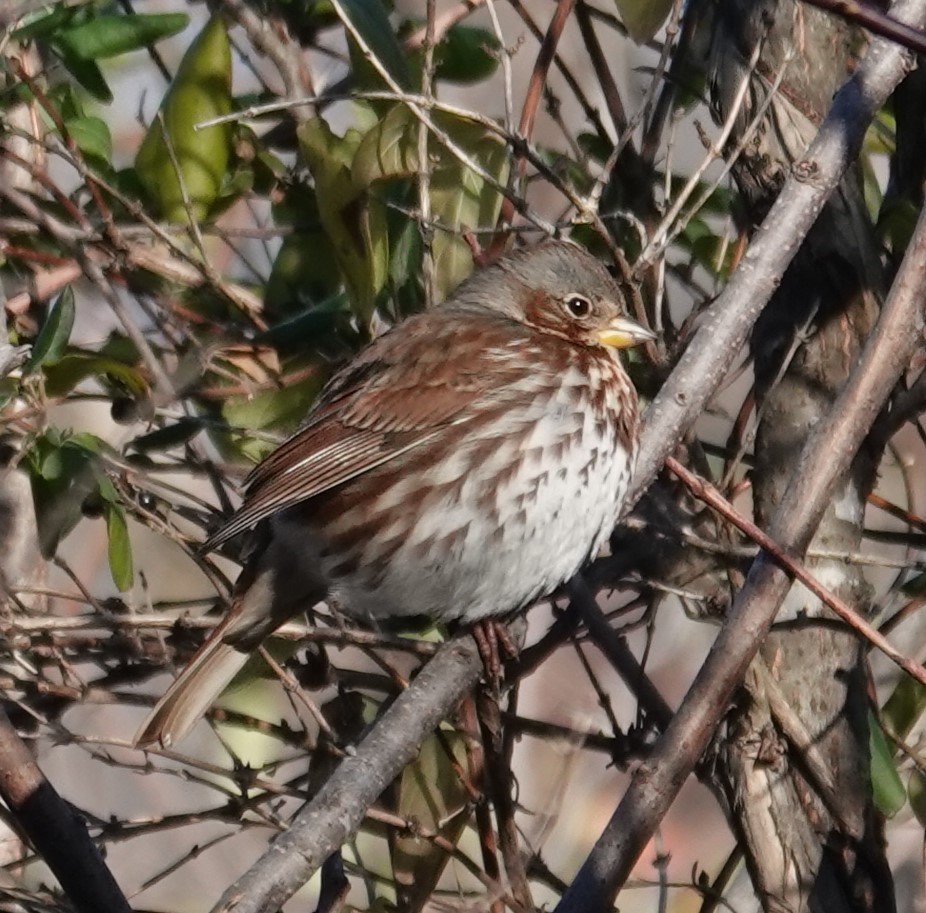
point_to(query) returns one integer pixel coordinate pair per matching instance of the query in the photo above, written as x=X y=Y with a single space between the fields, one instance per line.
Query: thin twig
x=424 y=162
x=870 y=17
x=824 y=460
x=706 y=492
x=340 y=805
x=727 y=323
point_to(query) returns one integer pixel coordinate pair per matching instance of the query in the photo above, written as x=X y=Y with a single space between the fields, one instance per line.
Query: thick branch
x=728 y=322
x=339 y=807
x=825 y=458
x=54 y=829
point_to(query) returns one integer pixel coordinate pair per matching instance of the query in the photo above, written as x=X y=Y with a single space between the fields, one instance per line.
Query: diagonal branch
x=706 y=492
x=825 y=458
x=727 y=324
x=870 y=17
x=339 y=807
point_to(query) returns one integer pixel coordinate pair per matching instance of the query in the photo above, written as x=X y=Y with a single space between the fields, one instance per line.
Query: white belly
x=540 y=504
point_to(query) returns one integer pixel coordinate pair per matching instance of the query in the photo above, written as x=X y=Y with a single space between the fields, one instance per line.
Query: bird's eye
x=578 y=306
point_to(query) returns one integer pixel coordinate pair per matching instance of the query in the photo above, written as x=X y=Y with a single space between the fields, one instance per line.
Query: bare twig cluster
x=154 y=351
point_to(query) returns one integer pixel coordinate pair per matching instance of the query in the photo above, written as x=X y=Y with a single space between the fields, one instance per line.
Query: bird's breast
x=497 y=512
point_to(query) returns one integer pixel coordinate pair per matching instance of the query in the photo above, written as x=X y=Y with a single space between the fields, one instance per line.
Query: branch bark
x=54 y=829
x=826 y=456
x=824 y=459
x=727 y=324
x=339 y=807
x=807 y=847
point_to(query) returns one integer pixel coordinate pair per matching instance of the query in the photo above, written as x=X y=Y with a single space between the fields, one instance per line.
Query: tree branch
x=54 y=829
x=339 y=807
x=825 y=457
x=726 y=325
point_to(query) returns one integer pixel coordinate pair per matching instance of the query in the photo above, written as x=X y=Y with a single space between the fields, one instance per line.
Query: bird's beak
x=623 y=332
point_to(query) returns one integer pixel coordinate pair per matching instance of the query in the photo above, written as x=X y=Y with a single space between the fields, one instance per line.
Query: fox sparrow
x=463 y=466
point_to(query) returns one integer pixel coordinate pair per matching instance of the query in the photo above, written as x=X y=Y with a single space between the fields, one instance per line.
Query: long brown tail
x=274 y=585
x=193 y=692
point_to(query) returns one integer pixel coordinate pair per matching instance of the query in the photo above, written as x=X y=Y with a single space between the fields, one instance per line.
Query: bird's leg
x=487 y=644
x=337 y=613
x=490 y=634
x=503 y=636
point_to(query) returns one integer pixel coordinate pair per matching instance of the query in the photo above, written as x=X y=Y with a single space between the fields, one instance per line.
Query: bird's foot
x=492 y=638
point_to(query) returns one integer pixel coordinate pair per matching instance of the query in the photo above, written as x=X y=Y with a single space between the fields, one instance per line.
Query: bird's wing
x=376 y=409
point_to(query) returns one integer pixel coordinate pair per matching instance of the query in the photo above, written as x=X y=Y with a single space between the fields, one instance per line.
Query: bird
x=463 y=466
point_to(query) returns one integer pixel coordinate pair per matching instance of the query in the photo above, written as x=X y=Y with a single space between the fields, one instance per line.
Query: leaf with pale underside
x=460 y=198
x=353 y=219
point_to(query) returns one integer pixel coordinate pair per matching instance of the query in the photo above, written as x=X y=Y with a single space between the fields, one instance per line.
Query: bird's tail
x=276 y=583
x=194 y=691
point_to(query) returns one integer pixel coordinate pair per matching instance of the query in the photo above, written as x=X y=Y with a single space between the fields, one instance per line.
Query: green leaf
x=593 y=145
x=55 y=333
x=201 y=90
x=903 y=709
x=887 y=787
x=87 y=73
x=107 y=490
x=460 y=198
x=388 y=151
x=406 y=250
x=881 y=136
x=916 y=791
x=47 y=25
x=277 y=409
x=464 y=55
x=92 y=137
x=109 y=36
x=49 y=464
x=271 y=408
x=66 y=373
x=643 y=18
x=431 y=793
x=353 y=219
x=120 y=548
x=302 y=331
x=305 y=270
x=85 y=441
x=896 y=223
x=369 y=18
x=68 y=99
x=64 y=471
